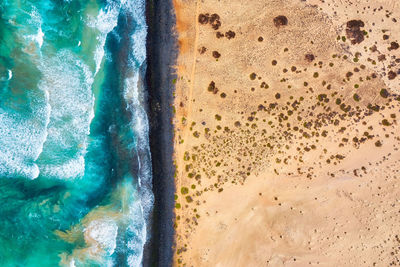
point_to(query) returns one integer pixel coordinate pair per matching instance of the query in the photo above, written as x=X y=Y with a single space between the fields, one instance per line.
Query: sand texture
x=286 y=135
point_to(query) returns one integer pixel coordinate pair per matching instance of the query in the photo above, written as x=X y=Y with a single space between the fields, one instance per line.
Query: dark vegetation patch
x=204 y=18
x=356 y=97
x=391 y=75
x=354 y=32
x=216 y=54
x=230 y=35
x=202 y=50
x=309 y=57
x=212 y=88
x=381 y=58
x=280 y=21
x=292 y=126
x=213 y=20
x=184 y=190
x=393 y=46
x=384 y=93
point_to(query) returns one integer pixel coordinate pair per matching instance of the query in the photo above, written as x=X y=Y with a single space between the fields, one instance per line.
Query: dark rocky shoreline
x=162 y=51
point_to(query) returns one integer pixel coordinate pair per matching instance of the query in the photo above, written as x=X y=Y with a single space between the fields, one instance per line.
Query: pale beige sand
x=288 y=163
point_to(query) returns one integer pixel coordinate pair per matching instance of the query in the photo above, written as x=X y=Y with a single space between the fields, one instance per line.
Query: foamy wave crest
x=9 y=72
x=137 y=10
x=68 y=82
x=137 y=232
x=69 y=169
x=102 y=235
x=105 y=22
x=22 y=138
x=136 y=103
x=23 y=133
x=133 y=221
x=143 y=206
x=135 y=97
x=36 y=21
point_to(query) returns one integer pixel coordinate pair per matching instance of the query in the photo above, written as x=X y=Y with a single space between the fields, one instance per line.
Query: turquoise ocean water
x=75 y=177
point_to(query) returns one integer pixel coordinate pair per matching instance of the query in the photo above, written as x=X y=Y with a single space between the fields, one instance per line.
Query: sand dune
x=286 y=133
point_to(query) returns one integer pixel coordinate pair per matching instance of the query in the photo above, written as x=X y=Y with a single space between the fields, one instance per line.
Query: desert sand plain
x=286 y=133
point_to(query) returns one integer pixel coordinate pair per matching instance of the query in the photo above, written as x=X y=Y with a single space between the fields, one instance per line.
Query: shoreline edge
x=162 y=51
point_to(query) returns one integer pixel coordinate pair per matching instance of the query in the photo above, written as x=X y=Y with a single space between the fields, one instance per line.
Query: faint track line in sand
x=192 y=74
x=186 y=131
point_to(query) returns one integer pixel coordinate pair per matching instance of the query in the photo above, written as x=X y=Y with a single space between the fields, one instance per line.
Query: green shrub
x=184 y=190
x=384 y=93
x=356 y=97
x=385 y=122
x=186 y=156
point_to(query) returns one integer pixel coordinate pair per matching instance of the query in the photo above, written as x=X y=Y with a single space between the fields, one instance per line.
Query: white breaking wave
x=36 y=20
x=140 y=210
x=105 y=22
x=68 y=169
x=54 y=140
x=137 y=9
x=39 y=37
x=137 y=227
x=68 y=82
x=23 y=133
x=9 y=76
x=22 y=139
x=104 y=234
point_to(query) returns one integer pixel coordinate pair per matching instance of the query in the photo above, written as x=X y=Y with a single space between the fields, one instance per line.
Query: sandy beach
x=285 y=133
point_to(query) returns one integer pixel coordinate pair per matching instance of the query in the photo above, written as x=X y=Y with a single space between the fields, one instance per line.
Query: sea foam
x=9 y=72
x=36 y=21
x=104 y=22
x=136 y=101
x=22 y=138
x=68 y=82
x=103 y=235
x=23 y=132
x=53 y=139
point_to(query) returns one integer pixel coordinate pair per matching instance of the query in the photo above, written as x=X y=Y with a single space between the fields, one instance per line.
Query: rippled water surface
x=75 y=178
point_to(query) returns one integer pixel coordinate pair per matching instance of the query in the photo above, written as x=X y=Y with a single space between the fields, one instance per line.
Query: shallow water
x=75 y=178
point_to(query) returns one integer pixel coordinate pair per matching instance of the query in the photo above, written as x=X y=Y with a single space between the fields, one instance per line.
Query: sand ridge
x=286 y=133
